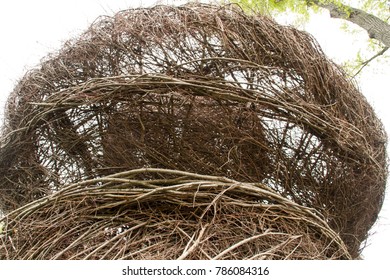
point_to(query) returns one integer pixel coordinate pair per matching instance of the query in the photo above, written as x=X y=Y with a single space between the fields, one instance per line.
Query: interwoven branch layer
x=188 y=216
x=203 y=89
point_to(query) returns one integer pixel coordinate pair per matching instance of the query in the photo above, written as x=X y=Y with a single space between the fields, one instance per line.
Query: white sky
x=29 y=30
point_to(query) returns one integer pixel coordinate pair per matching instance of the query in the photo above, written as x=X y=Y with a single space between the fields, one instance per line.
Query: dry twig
x=199 y=89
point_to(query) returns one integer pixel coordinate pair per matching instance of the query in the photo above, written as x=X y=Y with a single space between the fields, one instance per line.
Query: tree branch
x=375 y=27
x=365 y=63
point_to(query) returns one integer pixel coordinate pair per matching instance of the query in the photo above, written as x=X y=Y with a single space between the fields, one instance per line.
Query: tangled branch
x=198 y=89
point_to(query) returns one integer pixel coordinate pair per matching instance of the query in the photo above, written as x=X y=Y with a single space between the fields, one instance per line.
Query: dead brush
x=194 y=132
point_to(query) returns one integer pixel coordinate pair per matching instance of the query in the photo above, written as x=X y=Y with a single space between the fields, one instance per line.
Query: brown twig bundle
x=202 y=89
x=188 y=216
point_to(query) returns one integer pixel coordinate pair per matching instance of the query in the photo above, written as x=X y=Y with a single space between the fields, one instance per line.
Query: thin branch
x=365 y=63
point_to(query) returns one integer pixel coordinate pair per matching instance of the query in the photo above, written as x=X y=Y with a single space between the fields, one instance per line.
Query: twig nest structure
x=189 y=132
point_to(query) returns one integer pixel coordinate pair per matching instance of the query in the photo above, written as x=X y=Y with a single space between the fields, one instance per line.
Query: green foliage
x=364 y=57
x=299 y=11
x=274 y=6
x=284 y=5
x=301 y=7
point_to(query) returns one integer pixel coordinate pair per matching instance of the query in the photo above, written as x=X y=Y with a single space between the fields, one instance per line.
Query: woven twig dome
x=189 y=132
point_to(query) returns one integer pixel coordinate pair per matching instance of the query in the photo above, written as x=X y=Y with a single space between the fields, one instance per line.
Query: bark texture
x=375 y=27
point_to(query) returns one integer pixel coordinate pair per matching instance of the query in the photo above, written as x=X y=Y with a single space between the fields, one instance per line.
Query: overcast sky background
x=29 y=30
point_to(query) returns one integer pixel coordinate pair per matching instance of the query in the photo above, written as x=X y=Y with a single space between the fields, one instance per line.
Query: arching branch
x=376 y=28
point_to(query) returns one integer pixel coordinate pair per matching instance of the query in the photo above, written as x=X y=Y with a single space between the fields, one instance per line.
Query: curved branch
x=375 y=27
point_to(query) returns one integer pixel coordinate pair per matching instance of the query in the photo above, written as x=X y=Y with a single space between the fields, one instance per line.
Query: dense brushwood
x=291 y=156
